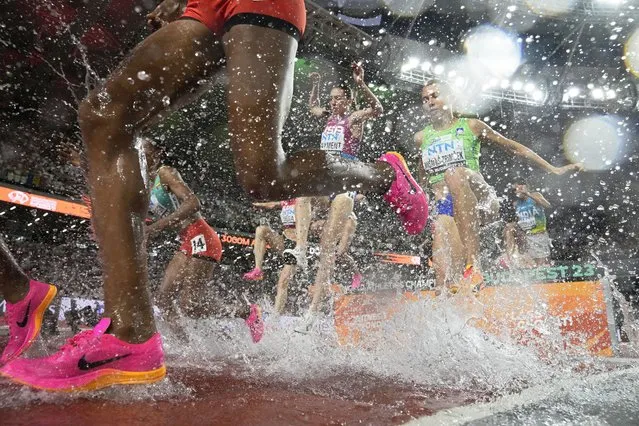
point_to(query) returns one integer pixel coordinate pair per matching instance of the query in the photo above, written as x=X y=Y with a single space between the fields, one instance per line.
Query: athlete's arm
x=375 y=108
x=539 y=199
x=485 y=133
x=189 y=203
x=268 y=205
x=165 y=12
x=313 y=100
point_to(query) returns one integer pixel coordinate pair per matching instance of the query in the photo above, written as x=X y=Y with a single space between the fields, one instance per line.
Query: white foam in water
x=430 y=343
x=19 y=396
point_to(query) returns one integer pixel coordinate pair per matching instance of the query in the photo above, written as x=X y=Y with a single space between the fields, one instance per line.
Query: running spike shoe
x=92 y=360
x=405 y=196
x=25 y=319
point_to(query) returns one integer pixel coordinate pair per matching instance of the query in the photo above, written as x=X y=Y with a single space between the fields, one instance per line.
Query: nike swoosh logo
x=25 y=320
x=85 y=365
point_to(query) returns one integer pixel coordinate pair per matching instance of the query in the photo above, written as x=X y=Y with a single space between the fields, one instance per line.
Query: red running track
x=226 y=398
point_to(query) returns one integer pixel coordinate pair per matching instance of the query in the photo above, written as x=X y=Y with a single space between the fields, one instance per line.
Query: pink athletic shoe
x=254 y=275
x=357 y=281
x=255 y=323
x=92 y=360
x=25 y=319
x=405 y=196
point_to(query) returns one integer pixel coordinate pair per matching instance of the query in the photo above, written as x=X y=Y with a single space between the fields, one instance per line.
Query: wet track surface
x=226 y=394
x=224 y=398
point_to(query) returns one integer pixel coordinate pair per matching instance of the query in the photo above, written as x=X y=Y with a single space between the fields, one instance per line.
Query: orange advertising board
x=532 y=315
x=43 y=202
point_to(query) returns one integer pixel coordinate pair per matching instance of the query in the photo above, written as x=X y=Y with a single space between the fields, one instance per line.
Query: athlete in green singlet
x=450 y=150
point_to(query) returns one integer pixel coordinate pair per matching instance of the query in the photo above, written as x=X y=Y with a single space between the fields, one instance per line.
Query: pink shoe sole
x=97 y=380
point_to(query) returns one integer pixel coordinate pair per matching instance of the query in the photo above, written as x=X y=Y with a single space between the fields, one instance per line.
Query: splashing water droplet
x=166 y=101
x=142 y=75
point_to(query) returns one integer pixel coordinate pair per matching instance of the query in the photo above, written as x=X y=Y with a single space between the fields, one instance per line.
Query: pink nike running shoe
x=255 y=323
x=25 y=319
x=357 y=281
x=255 y=274
x=92 y=360
x=405 y=196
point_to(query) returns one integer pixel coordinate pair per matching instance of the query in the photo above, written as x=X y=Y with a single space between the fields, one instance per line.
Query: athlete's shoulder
x=165 y=168
x=474 y=123
x=418 y=137
x=478 y=127
x=169 y=175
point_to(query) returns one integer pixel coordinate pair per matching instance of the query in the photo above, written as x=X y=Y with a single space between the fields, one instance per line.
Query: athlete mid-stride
x=265 y=236
x=341 y=139
x=26 y=300
x=258 y=41
x=450 y=150
x=187 y=279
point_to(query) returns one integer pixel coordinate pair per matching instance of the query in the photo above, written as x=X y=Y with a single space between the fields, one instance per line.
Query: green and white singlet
x=456 y=146
x=161 y=202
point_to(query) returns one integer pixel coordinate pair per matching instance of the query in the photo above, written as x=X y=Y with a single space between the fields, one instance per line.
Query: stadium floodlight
x=597 y=93
x=538 y=95
x=611 y=94
x=425 y=66
x=529 y=87
x=439 y=68
x=412 y=63
x=518 y=85
x=573 y=92
x=495 y=49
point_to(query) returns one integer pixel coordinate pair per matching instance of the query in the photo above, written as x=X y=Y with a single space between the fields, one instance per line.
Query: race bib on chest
x=333 y=139
x=155 y=207
x=198 y=244
x=288 y=215
x=445 y=152
x=526 y=219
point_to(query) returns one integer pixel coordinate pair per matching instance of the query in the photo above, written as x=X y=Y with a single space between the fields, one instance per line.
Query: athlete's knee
x=263 y=186
x=456 y=177
x=104 y=117
x=261 y=231
x=343 y=202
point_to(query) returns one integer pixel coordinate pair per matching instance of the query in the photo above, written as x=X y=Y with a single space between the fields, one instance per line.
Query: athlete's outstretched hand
x=165 y=12
x=576 y=167
x=358 y=73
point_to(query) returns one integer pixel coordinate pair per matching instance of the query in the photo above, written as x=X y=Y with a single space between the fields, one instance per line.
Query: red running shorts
x=220 y=15
x=200 y=240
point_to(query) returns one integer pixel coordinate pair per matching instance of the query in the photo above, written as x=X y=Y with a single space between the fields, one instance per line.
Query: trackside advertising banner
x=530 y=315
x=43 y=202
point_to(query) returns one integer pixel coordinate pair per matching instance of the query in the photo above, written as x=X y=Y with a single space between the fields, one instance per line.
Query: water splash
x=429 y=343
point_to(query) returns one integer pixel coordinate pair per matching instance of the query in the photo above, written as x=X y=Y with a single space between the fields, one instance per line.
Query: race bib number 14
x=198 y=244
